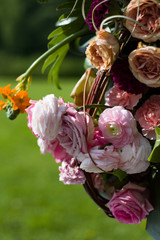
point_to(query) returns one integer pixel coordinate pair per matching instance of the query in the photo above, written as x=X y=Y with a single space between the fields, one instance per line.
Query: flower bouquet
x=108 y=139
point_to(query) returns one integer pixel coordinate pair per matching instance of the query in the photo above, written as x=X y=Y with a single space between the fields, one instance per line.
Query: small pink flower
x=116 y=97
x=148 y=116
x=130 y=204
x=45 y=117
x=76 y=132
x=134 y=156
x=53 y=147
x=100 y=160
x=71 y=174
x=117 y=125
x=98 y=139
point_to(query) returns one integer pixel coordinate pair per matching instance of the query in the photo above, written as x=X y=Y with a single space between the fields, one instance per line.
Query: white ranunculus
x=47 y=117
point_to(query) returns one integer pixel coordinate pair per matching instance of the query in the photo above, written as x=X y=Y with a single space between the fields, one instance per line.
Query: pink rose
x=71 y=174
x=45 y=117
x=148 y=116
x=76 y=132
x=117 y=125
x=145 y=65
x=134 y=156
x=102 y=51
x=53 y=147
x=149 y=16
x=116 y=97
x=100 y=160
x=130 y=204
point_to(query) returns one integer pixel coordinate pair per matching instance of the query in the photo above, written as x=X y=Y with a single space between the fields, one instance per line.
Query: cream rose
x=149 y=16
x=145 y=65
x=102 y=50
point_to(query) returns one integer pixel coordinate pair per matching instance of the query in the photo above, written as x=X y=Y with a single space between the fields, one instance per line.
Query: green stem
x=43 y=57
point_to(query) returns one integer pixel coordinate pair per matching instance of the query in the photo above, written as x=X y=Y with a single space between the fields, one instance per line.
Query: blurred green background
x=34 y=205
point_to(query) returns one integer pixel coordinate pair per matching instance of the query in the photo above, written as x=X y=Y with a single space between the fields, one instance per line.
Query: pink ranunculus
x=118 y=126
x=100 y=160
x=116 y=97
x=71 y=174
x=45 y=117
x=53 y=147
x=76 y=132
x=148 y=116
x=130 y=204
x=134 y=156
x=145 y=65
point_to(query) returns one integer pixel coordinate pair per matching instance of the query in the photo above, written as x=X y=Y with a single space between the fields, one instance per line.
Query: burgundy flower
x=123 y=77
x=99 y=13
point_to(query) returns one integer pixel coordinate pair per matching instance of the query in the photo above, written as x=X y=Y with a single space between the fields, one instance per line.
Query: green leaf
x=65 y=21
x=155 y=154
x=53 y=73
x=56 y=32
x=120 y=174
x=153 y=220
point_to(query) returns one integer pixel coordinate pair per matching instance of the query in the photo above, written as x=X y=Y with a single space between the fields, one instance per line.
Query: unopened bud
x=78 y=90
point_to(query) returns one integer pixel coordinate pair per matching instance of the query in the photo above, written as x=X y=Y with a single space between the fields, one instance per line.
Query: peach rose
x=149 y=16
x=102 y=50
x=145 y=65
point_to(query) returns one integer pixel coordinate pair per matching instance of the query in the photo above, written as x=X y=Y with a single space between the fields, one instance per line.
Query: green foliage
x=120 y=174
x=70 y=23
x=153 y=219
x=155 y=154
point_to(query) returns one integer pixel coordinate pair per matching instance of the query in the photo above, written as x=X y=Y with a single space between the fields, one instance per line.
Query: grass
x=34 y=205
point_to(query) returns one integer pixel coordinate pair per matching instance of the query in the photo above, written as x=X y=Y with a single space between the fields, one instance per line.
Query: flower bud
x=77 y=92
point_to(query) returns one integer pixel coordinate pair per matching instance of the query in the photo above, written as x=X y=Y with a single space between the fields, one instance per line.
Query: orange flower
x=1 y=104
x=20 y=101
x=6 y=91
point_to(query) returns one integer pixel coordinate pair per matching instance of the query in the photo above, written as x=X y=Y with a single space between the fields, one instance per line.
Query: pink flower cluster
x=116 y=142
x=80 y=146
x=63 y=132
x=118 y=128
